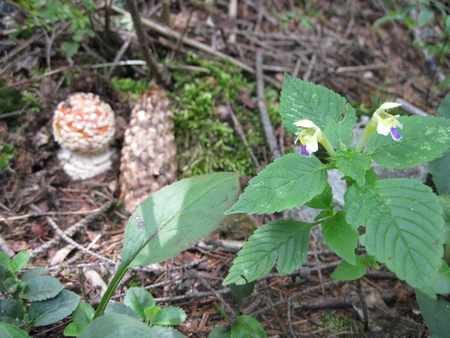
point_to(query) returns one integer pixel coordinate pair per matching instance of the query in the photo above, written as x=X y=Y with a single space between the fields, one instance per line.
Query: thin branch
x=141 y=35
x=70 y=240
x=267 y=124
x=189 y=41
x=72 y=230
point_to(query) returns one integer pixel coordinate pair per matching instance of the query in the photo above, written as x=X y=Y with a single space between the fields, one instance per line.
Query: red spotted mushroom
x=84 y=126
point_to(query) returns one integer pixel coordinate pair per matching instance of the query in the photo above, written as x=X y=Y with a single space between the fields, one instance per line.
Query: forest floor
x=331 y=43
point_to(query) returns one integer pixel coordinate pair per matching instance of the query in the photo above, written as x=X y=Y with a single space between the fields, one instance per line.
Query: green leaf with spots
x=353 y=164
x=423 y=140
x=301 y=100
x=439 y=168
x=340 y=236
x=404 y=227
x=285 y=241
x=290 y=181
x=341 y=134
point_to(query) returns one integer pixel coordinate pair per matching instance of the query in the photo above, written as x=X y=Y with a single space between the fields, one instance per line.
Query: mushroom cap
x=83 y=123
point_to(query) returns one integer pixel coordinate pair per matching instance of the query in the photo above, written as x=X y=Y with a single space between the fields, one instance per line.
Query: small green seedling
x=48 y=301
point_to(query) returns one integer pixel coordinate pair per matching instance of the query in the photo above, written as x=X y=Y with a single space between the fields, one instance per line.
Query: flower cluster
x=384 y=123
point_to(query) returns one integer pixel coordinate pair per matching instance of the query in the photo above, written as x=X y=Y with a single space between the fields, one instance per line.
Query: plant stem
x=369 y=130
x=327 y=145
x=111 y=288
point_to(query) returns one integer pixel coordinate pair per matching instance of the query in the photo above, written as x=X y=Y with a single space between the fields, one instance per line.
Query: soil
x=341 y=51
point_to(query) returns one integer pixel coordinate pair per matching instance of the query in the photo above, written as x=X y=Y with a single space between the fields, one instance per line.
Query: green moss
x=206 y=143
x=10 y=99
x=132 y=88
x=7 y=153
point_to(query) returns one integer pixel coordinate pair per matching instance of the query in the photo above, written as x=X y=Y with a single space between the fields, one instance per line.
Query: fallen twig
x=267 y=124
x=70 y=240
x=72 y=230
x=188 y=41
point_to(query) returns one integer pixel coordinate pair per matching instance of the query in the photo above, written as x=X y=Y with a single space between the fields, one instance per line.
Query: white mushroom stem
x=80 y=166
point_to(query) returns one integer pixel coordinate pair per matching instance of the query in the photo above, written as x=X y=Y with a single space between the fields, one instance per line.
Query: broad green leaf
x=442 y=285
x=50 y=311
x=20 y=260
x=41 y=288
x=436 y=313
x=139 y=299
x=404 y=227
x=290 y=181
x=341 y=134
x=347 y=271
x=81 y=317
x=176 y=216
x=166 y=332
x=423 y=140
x=150 y=313
x=247 y=327
x=9 y=331
x=425 y=16
x=323 y=200
x=4 y=260
x=170 y=315
x=354 y=164
x=439 y=167
x=118 y=326
x=394 y=15
x=34 y=272
x=324 y=214
x=5 y=274
x=301 y=100
x=284 y=240
x=242 y=291
x=69 y=49
x=73 y=329
x=220 y=332
x=340 y=236
x=444 y=108
x=370 y=260
x=11 y=312
x=120 y=308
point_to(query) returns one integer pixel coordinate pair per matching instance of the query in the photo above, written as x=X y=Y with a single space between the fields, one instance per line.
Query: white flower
x=309 y=137
x=387 y=123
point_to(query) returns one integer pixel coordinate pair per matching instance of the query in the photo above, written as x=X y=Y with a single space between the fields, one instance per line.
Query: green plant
x=437 y=311
x=162 y=226
x=44 y=14
x=398 y=221
x=243 y=326
x=138 y=304
x=49 y=302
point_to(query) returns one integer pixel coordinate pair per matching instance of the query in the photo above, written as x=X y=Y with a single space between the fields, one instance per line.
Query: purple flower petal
x=304 y=151
x=395 y=135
